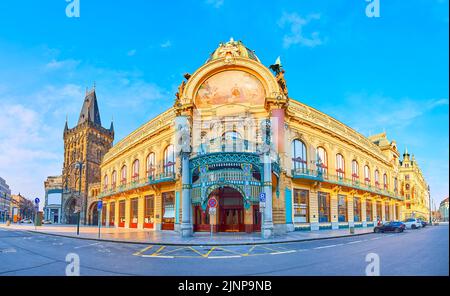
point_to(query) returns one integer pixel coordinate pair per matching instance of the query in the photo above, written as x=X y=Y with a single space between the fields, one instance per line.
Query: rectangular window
x=369 y=211
x=356 y=209
x=386 y=212
x=342 y=208
x=104 y=214
x=324 y=206
x=379 y=213
x=301 y=206
x=134 y=210
x=149 y=209
x=121 y=211
x=168 y=207
x=112 y=213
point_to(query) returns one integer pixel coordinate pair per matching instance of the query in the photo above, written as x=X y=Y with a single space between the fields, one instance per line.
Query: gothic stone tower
x=87 y=143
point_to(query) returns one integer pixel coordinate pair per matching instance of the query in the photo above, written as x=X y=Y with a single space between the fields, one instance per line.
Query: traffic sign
x=37 y=200
x=212 y=203
x=99 y=205
x=262 y=204
x=262 y=197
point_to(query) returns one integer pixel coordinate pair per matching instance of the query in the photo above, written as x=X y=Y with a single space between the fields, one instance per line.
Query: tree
x=26 y=208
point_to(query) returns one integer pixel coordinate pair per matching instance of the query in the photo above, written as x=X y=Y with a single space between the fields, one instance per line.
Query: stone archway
x=93 y=214
x=69 y=211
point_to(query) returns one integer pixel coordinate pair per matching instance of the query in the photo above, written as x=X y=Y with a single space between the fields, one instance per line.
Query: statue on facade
x=181 y=88
x=279 y=75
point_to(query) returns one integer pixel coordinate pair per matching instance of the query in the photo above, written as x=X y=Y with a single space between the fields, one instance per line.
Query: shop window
x=324 y=206
x=149 y=210
x=369 y=212
x=356 y=209
x=301 y=206
x=342 y=208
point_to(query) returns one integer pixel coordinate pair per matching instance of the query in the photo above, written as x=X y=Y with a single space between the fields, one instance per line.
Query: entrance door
x=231 y=210
x=168 y=219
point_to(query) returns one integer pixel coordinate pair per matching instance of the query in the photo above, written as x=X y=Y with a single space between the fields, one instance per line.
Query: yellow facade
x=234 y=133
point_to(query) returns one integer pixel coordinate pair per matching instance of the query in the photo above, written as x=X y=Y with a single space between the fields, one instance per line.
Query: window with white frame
x=322 y=161
x=135 y=176
x=366 y=174
x=169 y=160
x=298 y=149
x=340 y=166
x=151 y=165
x=123 y=175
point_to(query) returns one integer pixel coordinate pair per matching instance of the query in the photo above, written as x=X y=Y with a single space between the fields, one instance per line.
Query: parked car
x=423 y=222
x=412 y=223
x=26 y=221
x=47 y=222
x=395 y=226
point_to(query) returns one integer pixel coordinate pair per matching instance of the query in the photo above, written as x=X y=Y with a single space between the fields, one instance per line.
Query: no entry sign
x=212 y=203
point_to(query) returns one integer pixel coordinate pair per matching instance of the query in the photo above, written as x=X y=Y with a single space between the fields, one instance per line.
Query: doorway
x=231 y=210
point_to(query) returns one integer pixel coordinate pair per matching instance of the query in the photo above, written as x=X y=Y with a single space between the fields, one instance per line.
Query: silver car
x=412 y=223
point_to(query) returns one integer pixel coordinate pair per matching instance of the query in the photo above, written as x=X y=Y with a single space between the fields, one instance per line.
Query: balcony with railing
x=155 y=178
x=318 y=175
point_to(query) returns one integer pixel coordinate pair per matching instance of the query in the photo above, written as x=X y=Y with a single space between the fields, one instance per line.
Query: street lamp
x=429 y=203
x=79 y=165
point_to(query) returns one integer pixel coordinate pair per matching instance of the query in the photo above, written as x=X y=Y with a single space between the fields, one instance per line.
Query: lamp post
x=429 y=204
x=79 y=165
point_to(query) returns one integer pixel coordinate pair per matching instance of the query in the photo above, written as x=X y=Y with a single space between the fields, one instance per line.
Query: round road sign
x=212 y=203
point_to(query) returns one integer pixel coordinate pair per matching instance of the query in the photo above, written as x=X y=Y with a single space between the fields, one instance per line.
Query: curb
x=196 y=244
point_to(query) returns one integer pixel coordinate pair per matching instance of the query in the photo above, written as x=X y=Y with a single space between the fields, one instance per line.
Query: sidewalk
x=173 y=238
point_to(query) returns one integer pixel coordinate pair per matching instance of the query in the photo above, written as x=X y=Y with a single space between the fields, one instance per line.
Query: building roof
x=90 y=111
x=233 y=48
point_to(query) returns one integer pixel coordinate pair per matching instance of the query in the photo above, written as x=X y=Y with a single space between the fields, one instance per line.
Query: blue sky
x=374 y=74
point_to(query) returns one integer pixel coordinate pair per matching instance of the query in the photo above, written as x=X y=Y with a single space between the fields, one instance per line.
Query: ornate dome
x=232 y=49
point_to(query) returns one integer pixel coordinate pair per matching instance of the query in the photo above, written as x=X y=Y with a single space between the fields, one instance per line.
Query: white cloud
x=297 y=35
x=166 y=44
x=69 y=64
x=215 y=3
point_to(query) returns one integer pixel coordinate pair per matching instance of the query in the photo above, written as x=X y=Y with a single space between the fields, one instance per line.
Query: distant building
x=5 y=200
x=443 y=210
x=414 y=188
x=53 y=199
x=16 y=211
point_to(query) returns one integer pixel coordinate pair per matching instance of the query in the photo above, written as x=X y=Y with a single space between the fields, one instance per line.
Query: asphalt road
x=419 y=252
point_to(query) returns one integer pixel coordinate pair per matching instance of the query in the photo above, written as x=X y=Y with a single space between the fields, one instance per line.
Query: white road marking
x=355 y=242
x=285 y=252
x=329 y=246
x=151 y=256
x=87 y=245
x=10 y=250
x=375 y=238
x=57 y=244
x=224 y=257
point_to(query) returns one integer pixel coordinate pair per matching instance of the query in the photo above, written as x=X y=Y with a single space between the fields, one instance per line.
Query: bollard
x=352 y=230
x=8 y=223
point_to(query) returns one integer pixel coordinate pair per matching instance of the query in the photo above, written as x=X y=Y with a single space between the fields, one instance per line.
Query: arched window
x=377 y=178
x=169 y=161
x=367 y=175
x=355 y=170
x=113 y=180
x=322 y=161
x=385 y=181
x=407 y=186
x=105 y=182
x=123 y=175
x=298 y=156
x=340 y=166
x=396 y=185
x=230 y=141
x=151 y=165
x=135 y=176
